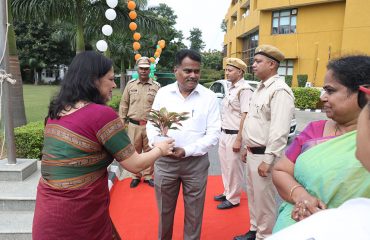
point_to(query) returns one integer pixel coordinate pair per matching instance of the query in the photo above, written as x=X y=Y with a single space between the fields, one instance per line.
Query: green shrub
x=114 y=102
x=306 y=97
x=288 y=80
x=203 y=81
x=248 y=76
x=212 y=74
x=29 y=140
x=302 y=79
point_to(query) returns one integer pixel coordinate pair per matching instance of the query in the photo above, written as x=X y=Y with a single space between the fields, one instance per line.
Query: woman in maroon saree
x=82 y=137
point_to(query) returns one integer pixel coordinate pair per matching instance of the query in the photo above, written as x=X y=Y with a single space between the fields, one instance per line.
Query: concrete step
x=19 y=171
x=16 y=225
x=19 y=195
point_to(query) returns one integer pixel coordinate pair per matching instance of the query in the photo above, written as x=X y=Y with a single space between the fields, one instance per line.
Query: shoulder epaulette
x=132 y=80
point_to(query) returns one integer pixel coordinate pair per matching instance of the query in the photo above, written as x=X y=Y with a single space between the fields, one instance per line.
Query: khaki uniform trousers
x=261 y=198
x=169 y=175
x=139 y=139
x=232 y=168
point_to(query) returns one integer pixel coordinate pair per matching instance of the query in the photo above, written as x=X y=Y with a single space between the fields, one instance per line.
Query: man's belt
x=228 y=131
x=137 y=122
x=257 y=150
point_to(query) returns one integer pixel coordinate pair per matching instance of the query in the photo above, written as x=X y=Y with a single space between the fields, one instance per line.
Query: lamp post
x=6 y=106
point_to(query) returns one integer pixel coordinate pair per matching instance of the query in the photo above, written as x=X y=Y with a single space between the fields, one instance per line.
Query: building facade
x=308 y=32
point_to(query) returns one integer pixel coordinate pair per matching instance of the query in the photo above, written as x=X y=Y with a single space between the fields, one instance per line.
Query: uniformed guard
x=234 y=109
x=136 y=102
x=265 y=135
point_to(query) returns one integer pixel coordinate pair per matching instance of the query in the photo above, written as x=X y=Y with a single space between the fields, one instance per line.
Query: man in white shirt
x=188 y=165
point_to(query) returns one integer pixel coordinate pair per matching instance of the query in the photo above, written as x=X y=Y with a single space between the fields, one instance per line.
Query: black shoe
x=251 y=235
x=150 y=182
x=134 y=183
x=226 y=205
x=220 y=198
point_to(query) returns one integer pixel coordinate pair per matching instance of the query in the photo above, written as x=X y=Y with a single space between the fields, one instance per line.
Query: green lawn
x=37 y=99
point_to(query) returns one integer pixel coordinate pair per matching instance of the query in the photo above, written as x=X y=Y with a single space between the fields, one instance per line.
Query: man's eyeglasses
x=362 y=99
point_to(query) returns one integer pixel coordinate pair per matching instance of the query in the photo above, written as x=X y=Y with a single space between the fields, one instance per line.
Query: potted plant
x=165 y=120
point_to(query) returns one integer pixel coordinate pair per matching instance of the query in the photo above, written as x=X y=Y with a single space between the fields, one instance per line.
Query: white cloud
x=206 y=15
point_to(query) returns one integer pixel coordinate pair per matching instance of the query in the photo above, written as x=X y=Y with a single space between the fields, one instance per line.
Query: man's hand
x=243 y=155
x=237 y=144
x=178 y=153
x=264 y=169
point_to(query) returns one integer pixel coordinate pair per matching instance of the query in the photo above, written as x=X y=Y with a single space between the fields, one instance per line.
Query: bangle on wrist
x=292 y=189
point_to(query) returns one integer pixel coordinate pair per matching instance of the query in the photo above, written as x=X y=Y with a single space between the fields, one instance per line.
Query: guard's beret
x=236 y=62
x=270 y=52
x=143 y=62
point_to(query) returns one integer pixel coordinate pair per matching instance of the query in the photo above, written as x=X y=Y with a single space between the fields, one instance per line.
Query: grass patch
x=37 y=99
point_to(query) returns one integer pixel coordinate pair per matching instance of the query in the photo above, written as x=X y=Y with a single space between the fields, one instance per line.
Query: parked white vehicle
x=220 y=87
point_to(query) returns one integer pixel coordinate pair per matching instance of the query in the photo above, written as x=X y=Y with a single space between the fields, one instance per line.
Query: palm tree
x=16 y=96
x=87 y=16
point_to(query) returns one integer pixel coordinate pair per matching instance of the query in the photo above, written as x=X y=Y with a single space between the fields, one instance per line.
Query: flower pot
x=160 y=138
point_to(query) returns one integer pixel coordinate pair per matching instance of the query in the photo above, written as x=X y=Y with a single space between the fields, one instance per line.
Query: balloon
x=112 y=3
x=156 y=60
x=152 y=59
x=151 y=75
x=110 y=14
x=137 y=56
x=132 y=15
x=136 y=46
x=135 y=75
x=107 y=30
x=132 y=26
x=137 y=36
x=159 y=50
x=131 y=5
x=156 y=54
x=162 y=44
x=152 y=66
x=102 y=45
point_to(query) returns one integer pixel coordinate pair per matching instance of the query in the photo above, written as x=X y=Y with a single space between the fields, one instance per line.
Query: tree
x=174 y=38
x=39 y=49
x=212 y=59
x=17 y=101
x=195 y=38
x=223 y=26
x=87 y=16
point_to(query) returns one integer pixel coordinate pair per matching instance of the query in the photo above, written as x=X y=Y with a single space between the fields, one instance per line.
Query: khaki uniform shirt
x=269 y=117
x=137 y=99
x=236 y=103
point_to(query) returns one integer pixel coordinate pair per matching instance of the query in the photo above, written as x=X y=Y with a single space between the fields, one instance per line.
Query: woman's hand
x=306 y=206
x=166 y=146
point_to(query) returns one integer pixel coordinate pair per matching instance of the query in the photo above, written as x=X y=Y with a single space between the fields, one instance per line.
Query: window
x=249 y=45
x=245 y=12
x=284 y=21
x=286 y=68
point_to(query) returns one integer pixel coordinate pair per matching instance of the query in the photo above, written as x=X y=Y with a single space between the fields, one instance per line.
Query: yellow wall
x=325 y=29
x=319 y=33
x=356 y=30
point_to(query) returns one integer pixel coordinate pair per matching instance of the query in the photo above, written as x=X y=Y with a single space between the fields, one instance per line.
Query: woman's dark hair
x=351 y=72
x=79 y=84
x=183 y=53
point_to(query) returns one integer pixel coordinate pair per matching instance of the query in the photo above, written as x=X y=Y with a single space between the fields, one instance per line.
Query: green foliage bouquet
x=164 y=120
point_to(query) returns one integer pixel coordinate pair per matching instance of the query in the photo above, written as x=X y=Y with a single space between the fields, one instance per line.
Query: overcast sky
x=206 y=15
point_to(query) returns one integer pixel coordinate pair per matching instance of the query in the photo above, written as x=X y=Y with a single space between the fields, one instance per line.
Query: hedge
x=29 y=140
x=306 y=97
x=114 y=102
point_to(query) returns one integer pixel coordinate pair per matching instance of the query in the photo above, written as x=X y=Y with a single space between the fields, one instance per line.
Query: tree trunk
x=80 y=40
x=16 y=99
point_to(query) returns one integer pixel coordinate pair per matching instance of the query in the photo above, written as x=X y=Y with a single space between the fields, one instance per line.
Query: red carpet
x=134 y=213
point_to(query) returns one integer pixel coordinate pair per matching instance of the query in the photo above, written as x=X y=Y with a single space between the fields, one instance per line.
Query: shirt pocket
x=151 y=96
x=134 y=93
